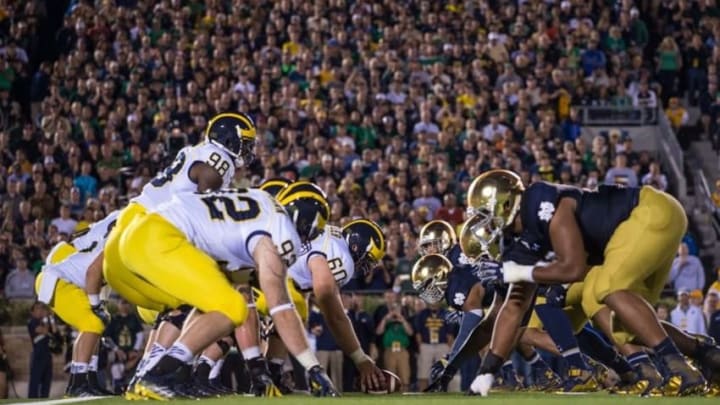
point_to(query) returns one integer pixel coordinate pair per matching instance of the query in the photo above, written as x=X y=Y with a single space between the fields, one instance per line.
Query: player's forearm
x=466 y=338
x=93 y=279
x=553 y=273
x=340 y=326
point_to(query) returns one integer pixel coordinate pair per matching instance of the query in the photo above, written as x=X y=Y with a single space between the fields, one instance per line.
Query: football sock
x=666 y=348
x=217 y=368
x=592 y=344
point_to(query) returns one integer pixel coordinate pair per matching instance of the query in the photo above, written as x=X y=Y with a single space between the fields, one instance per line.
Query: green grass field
x=433 y=399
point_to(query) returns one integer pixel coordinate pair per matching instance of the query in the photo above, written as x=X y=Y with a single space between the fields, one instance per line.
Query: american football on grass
x=392 y=384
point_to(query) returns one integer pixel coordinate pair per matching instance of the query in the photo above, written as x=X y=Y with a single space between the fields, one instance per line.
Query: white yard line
x=60 y=401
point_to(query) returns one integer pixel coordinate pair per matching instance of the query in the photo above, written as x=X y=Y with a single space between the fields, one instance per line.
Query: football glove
x=441 y=373
x=261 y=384
x=490 y=273
x=320 y=383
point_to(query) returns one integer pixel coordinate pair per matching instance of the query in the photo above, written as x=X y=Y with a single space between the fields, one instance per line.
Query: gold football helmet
x=436 y=237
x=429 y=277
x=480 y=237
x=498 y=192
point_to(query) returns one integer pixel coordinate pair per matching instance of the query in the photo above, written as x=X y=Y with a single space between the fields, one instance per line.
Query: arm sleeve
x=470 y=321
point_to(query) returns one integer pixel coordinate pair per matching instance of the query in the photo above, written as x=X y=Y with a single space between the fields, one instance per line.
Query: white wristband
x=358 y=356
x=94 y=299
x=515 y=273
x=307 y=359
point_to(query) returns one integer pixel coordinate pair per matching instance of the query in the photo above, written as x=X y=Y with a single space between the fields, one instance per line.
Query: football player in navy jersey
x=619 y=241
x=445 y=272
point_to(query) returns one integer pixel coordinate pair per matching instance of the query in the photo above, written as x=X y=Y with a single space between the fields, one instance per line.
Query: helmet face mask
x=482 y=236
x=497 y=192
x=429 y=277
x=366 y=243
x=436 y=237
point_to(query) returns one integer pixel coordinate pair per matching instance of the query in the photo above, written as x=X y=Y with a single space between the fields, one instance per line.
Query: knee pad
x=177 y=317
x=224 y=346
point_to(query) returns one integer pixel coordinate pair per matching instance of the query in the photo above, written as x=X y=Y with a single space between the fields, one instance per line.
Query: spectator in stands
x=645 y=97
x=687 y=317
x=620 y=174
x=427 y=200
x=676 y=114
x=127 y=336
x=328 y=353
x=687 y=271
x=20 y=282
x=655 y=178
x=365 y=332
x=716 y=194
x=433 y=339
x=450 y=211
x=669 y=61
x=696 y=58
x=663 y=312
x=714 y=325
x=40 y=327
x=715 y=286
x=710 y=305
x=65 y=223
x=395 y=331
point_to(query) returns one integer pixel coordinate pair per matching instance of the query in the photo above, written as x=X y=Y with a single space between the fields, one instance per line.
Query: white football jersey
x=333 y=246
x=224 y=224
x=176 y=177
x=73 y=268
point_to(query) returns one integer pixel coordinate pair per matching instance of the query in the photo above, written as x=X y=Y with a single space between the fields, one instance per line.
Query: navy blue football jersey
x=598 y=214
x=460 y=281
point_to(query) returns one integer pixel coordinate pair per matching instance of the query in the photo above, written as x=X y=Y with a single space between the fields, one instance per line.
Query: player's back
x=333 y=246
x=176 y=177
x=225 y=223
x=89 y=244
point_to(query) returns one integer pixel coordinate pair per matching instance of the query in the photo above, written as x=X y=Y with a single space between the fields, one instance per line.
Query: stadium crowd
x=392 y=107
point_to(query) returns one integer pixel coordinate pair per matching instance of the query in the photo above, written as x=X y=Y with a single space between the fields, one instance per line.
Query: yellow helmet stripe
x=244 y=133
x=375 y=227
x=286 y=198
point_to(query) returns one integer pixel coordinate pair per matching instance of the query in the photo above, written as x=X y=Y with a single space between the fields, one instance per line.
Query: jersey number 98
x=167 y=175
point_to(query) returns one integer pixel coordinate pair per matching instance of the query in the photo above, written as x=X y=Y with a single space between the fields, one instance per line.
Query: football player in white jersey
x=228 y=143
x=176 y=249
x=70 y=284
x=328 y=261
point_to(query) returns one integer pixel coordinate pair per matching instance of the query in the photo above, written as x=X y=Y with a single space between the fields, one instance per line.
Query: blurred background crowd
x=391 y=106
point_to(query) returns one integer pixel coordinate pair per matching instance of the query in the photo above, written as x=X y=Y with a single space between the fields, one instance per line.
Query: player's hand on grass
x=371 y=376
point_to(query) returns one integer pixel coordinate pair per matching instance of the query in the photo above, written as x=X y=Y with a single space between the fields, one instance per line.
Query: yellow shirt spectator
x=677 y=115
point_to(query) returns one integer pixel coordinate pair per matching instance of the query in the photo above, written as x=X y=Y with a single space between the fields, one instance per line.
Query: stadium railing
x=666 y=146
